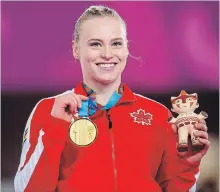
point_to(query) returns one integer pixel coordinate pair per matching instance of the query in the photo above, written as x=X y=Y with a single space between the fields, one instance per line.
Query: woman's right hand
x=66 y=104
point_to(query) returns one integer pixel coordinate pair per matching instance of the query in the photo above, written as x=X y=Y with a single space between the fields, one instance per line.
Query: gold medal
x=83 y=132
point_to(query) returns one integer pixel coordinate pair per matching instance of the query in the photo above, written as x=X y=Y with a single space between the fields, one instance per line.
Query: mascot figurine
x=184 y=105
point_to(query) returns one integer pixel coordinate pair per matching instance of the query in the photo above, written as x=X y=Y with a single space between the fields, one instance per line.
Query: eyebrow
x=118 y=38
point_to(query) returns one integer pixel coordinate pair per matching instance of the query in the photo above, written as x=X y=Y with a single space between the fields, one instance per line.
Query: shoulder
x=44 y=106
x=42 y=109
x=148 y=101
x=152 y=105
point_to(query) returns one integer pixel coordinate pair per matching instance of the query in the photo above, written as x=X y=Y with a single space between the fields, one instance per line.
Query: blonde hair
x=93 y=12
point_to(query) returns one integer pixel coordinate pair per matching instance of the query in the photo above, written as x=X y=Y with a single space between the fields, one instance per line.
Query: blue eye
x=117 y=43
x=95 y=44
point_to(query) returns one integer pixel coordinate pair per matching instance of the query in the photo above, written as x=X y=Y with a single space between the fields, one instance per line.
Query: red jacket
x=134 y=151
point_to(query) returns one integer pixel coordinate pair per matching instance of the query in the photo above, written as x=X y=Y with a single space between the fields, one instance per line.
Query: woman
x=118 y=140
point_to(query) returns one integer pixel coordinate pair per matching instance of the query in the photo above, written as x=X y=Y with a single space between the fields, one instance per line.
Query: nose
x=106 y=53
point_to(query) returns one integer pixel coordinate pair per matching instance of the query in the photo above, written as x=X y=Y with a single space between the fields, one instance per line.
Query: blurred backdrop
x=174 y=46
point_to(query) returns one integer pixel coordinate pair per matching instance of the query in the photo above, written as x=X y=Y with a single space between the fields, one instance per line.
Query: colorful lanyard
x=90 y=106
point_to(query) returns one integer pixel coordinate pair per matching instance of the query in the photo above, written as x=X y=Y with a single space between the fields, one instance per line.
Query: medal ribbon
x=90 y=106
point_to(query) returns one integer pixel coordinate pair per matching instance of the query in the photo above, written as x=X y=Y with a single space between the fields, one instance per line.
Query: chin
x=105 y=80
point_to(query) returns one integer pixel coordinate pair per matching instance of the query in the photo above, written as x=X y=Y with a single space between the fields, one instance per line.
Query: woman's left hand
x=201 y=132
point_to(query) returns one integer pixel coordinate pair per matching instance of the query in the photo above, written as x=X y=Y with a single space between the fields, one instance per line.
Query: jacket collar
x=127 y=97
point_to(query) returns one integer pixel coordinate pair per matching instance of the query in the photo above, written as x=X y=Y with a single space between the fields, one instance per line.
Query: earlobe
x=76 y=56
x=75 y=50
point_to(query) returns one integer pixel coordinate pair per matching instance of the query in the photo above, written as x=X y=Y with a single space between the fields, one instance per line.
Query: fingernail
x=195 y=131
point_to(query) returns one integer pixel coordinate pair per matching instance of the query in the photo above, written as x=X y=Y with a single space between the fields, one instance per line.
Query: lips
x=106 y=65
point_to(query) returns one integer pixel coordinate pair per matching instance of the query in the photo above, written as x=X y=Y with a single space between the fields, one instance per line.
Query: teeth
x=106 y=65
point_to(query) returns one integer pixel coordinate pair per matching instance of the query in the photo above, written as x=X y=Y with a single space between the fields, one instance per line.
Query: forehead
x=102 y=28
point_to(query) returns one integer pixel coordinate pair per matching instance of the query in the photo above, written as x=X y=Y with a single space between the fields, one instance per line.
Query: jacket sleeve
x=176 y=174
x=43 y=142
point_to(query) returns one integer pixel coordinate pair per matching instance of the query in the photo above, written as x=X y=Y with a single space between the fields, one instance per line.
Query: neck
x=103 y=91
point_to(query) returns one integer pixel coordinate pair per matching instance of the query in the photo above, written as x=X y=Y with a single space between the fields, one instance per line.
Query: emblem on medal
x=82 y=132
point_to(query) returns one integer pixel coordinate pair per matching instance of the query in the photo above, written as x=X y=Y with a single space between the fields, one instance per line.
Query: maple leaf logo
x=142 y=117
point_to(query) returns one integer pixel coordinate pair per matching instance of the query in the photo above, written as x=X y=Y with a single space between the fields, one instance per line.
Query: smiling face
x=102 y=49
x=184 y=103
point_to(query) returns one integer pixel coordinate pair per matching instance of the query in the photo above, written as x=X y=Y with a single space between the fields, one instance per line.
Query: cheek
x=122 y=54
x=88 y=55
x=86 y=61
x=193 y=105
x=176 y=108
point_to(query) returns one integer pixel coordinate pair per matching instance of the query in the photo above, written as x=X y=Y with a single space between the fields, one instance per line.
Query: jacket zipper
x=113 y=148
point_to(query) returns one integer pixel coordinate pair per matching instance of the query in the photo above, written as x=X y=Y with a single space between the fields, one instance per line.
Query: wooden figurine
x=184 y=105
